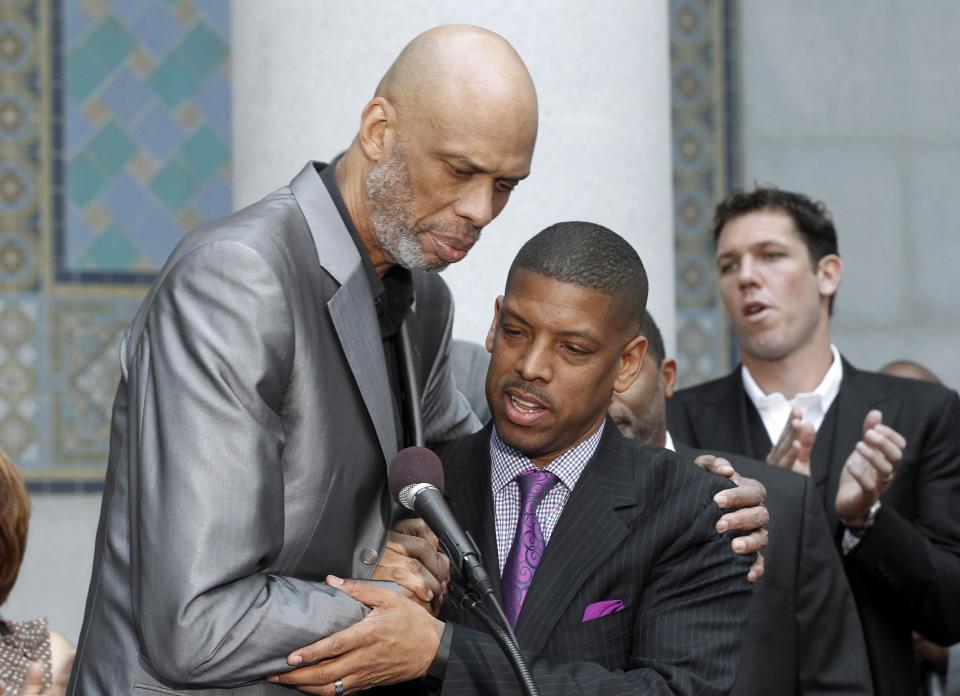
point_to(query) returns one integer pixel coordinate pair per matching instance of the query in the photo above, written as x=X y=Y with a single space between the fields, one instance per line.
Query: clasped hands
x=867 y=472
x=398 y=639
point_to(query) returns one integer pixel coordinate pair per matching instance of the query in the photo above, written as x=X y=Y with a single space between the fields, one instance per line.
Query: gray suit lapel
x=351 y=309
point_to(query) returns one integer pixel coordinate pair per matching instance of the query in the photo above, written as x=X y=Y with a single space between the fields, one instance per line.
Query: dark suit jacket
x=638 y=527
x=254 y=412
x=905 y=574
x=803 y=636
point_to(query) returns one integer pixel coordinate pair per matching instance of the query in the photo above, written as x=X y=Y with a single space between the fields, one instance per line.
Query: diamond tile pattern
x=133 y=72
x=105 y=160
x=702 y=121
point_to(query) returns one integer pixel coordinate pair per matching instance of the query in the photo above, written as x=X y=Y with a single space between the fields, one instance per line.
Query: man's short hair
x=649 y=329
x=590 y=256
x=811 y=218
x=14 y=518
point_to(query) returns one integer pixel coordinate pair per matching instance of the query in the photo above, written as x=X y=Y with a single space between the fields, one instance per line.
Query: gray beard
x=391 y=203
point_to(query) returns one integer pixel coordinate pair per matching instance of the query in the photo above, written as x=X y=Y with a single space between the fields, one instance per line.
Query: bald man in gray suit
x=279 y=361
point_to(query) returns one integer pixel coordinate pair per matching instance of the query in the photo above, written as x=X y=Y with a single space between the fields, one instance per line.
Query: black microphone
x=416 y=482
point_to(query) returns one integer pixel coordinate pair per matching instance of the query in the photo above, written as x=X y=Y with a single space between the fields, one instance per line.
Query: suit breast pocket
x=605 y=640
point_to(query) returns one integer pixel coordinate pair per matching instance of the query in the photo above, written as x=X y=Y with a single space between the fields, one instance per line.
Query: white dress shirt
x=774 y=409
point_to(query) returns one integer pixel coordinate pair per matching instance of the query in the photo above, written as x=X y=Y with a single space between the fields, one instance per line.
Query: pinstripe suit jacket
x=638 y=527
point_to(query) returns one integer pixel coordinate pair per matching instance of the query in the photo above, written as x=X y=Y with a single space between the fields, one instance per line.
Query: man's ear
x=668 y=373
x=493 y=325
x=631 y=360
x=377 y=123
x=829 y=273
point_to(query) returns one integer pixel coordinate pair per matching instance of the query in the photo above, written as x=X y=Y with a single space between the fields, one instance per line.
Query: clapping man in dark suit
x=803 y=636
x=882 y=452
x=611 y=567
x=275 y=368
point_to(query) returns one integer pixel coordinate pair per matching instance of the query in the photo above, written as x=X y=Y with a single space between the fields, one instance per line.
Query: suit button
x=369 y=556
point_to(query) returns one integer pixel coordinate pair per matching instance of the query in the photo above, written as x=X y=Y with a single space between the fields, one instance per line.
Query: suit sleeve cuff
x=438 y=668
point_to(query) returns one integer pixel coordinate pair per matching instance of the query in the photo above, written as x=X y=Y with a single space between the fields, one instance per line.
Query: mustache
x=453 y=229
x=528 y=388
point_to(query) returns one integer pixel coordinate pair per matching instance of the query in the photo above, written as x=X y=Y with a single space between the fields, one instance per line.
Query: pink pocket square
x=598 y=609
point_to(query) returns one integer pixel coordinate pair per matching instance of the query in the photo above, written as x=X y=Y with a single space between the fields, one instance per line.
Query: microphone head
x=414 y=465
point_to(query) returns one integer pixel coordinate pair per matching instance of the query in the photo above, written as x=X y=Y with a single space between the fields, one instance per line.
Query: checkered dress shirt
x=507 y=462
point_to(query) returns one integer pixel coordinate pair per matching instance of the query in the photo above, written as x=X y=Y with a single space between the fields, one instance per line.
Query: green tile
x=85 y=181
x=173 y=82
x=112 y=149
x=204 y=152
x=110 y=43
x=83 y=74
x=112 y=250
x=174 y=185
x=202 y=50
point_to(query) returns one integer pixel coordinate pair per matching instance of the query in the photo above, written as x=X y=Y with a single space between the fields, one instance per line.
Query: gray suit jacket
x=251 y=432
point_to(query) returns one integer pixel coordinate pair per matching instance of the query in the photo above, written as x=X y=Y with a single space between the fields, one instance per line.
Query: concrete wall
x=857 y=103
x=56 y=568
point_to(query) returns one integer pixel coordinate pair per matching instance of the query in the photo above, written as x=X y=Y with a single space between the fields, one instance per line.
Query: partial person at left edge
x=34 y=661
x=276 y=366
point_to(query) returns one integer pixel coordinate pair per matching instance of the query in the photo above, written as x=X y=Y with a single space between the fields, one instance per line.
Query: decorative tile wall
x=115 y=134
x=701 y=48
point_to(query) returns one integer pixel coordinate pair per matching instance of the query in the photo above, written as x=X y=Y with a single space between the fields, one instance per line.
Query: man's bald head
x=910 y=370
x=458 y=65
x=447 y=137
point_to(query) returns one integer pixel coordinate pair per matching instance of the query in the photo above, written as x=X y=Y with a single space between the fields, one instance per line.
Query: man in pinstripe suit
x=636 y=592
x=633 y=590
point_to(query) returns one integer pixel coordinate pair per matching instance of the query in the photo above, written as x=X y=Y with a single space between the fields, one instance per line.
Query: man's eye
x=773 y=255
x=460 y=173
x=725 y=268
x=506 y=186
x=575 y=350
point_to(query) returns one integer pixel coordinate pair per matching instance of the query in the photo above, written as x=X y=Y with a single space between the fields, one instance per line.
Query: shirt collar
x=824 y=393
x=506 y=462
x=669 y=443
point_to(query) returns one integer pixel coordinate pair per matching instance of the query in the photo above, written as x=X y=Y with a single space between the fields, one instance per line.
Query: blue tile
x=78 y=128
x=215 y=201
x=76 y=24
x=127 y=96
x=159 y=133
x=157 y=29
x=78 y=236
x=216 y=13
x=205 y=153
x=175 y=81
x=127 y=10
x=157 y=234
x=174 y=184
x=83 y=74
x=202 y=50
x=127 y=201
x=213 y=101
x=110 y=43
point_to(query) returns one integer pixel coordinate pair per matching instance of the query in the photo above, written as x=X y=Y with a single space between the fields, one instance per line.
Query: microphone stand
x=497 y=625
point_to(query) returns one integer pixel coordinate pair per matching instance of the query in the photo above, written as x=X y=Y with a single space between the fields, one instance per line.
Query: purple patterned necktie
x=528 y=544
